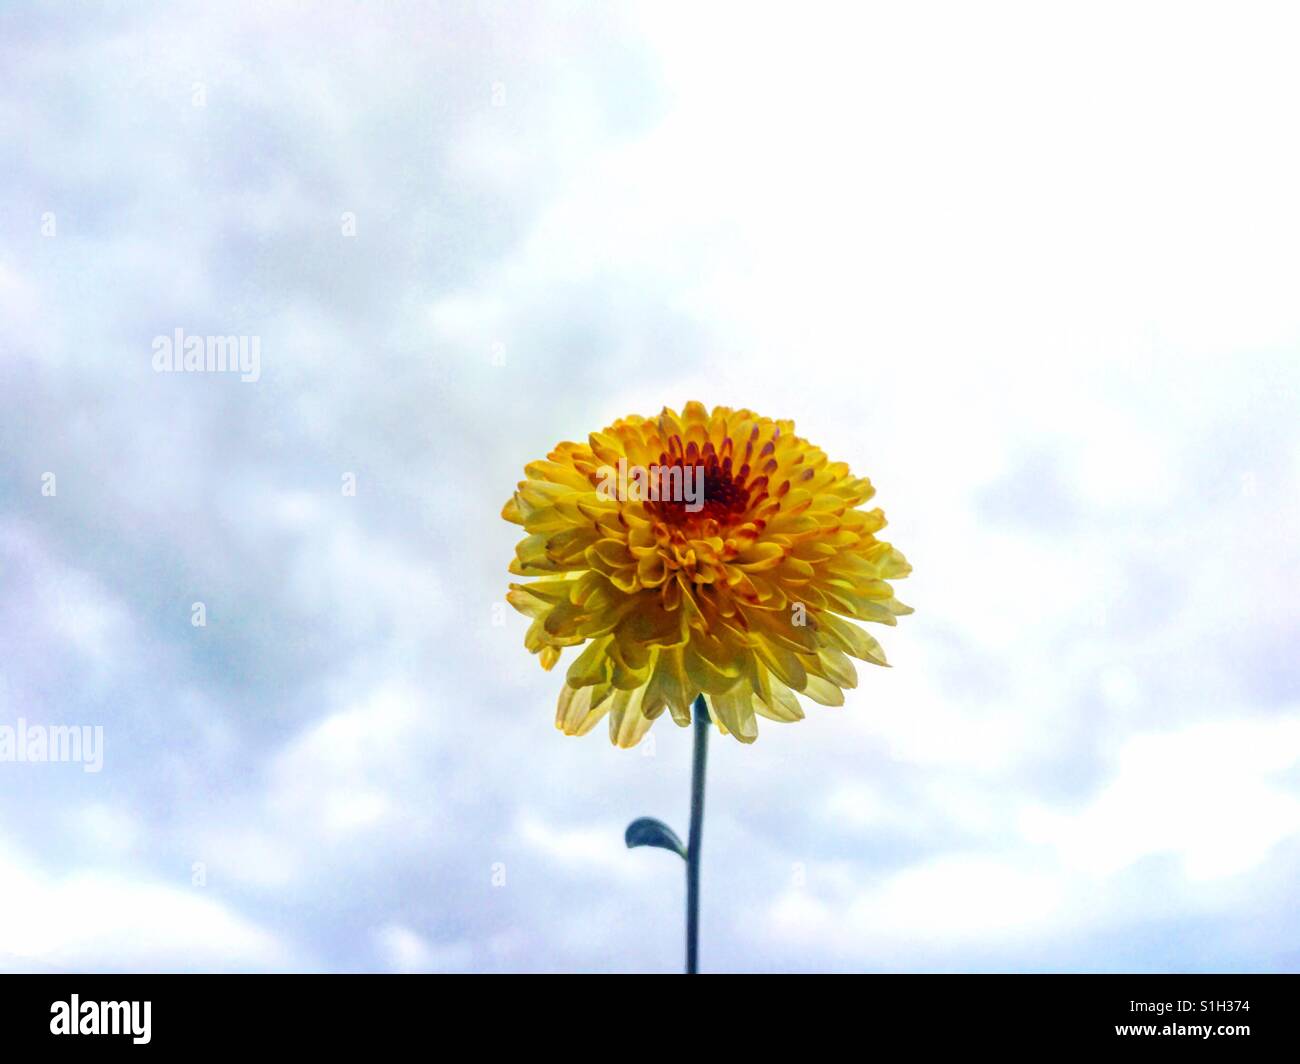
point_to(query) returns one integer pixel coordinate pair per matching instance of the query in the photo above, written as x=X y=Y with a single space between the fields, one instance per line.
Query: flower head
x=701 y=551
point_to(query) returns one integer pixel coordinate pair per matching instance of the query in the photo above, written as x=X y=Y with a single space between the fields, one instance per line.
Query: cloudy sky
x=1034 y=272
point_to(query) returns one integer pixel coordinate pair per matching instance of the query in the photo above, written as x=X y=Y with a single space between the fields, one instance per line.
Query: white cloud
x=404 y=950
x=337 y=778
x=582 y=850
x=1214 y=795
x=90 y=920
x=937 y=905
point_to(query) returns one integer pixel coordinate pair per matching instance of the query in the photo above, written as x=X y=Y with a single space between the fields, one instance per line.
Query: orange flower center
x=727 y=494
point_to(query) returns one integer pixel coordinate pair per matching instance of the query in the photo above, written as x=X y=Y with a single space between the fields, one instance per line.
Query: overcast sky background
x=1034 y=272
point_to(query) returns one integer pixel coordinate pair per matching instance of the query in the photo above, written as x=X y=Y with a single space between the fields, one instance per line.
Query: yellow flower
x=715 y=552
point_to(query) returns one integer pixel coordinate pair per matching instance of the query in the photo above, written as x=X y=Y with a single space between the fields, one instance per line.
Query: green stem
x=693 y=842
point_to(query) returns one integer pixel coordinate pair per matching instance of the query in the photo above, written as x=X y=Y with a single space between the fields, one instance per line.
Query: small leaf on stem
x=647 y=831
